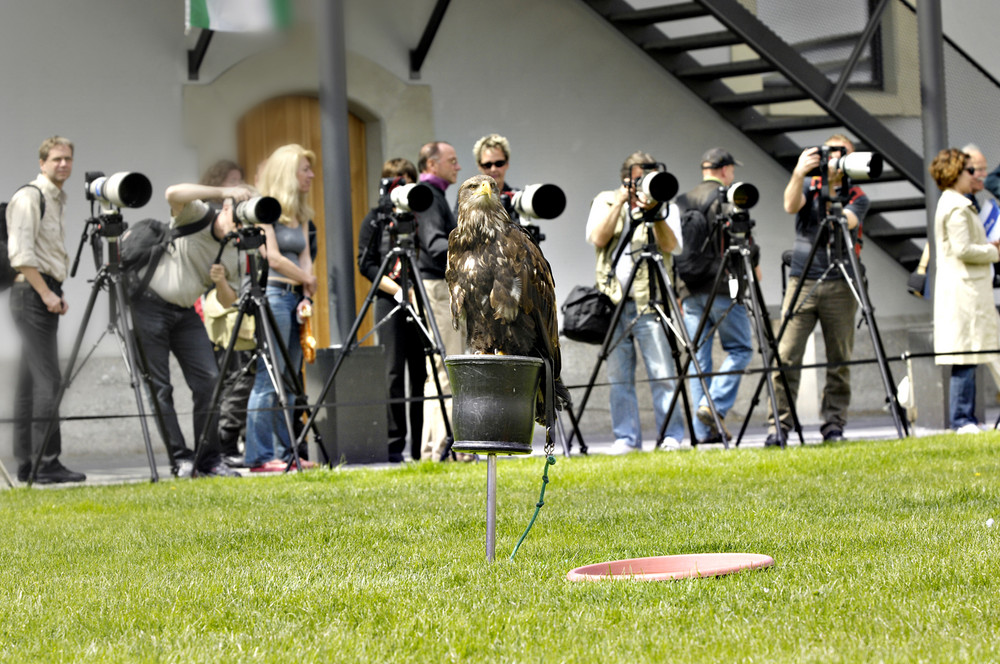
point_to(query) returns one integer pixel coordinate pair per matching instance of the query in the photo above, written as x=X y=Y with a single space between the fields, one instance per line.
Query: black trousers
x=38 y=375
x=404 y=350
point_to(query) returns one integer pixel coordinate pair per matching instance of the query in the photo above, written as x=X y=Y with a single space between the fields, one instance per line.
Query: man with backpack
x=166 y=321
x=37 y=251
x=705 y=243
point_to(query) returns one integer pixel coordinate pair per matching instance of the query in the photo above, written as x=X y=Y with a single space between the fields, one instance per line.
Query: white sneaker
x=971 y=427
x=670 y=444
x=621 y=447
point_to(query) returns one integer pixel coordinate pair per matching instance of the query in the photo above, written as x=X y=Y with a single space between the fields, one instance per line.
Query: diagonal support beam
x=419 y=54
x=196 y=55
x=859 y=47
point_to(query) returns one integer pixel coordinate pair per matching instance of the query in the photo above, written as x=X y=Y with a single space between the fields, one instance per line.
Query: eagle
x=501 y=284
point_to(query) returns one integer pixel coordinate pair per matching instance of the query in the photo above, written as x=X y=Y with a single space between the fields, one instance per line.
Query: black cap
x=717 y=158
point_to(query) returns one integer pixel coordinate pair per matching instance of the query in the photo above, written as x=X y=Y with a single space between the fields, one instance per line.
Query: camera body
x=396 y=194
x=736 y=200
x=858 y=166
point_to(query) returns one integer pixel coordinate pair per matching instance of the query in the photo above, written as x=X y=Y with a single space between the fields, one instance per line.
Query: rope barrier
x=357 y=404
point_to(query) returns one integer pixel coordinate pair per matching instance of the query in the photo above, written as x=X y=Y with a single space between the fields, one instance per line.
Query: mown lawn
x=882 y=553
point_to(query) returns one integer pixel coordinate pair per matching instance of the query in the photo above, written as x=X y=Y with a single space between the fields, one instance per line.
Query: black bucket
x=493 y=402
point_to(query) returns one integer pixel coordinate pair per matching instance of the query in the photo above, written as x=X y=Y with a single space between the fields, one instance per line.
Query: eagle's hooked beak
x=485 y=189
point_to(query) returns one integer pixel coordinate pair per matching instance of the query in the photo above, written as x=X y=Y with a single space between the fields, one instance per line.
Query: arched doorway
x=296 y=119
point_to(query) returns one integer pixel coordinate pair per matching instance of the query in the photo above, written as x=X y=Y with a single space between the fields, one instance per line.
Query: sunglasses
x=970 y=170
x=499 y=163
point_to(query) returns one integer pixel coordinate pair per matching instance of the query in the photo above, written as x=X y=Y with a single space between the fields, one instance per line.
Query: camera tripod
x=671 y=322
x=253 y=302
x=111 y=279
x=403 y=250
x=744 y=290
x=843 y=259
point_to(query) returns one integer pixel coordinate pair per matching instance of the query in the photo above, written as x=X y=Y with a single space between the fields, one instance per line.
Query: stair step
x=888 y=232
x=770 y=96
x=897 y=205
x=781 y=124
x=726 y=70
x=653 y=15
x=692 y=43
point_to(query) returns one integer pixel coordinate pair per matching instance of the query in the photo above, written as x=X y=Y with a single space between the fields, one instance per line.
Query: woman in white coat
x=965 y=318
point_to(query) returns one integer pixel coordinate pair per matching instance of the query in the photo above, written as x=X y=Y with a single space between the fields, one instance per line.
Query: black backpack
x=142 y=246
x=698 y=263
x=7 y=273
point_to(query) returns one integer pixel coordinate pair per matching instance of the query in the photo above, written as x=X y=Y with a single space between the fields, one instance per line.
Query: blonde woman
x=287 y=175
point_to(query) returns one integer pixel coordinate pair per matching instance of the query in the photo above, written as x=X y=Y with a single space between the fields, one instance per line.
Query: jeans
x=735 y=337
x=962 y=395
x=266 y=427
x=38 y=375
x=163 y=328
x=655 y=349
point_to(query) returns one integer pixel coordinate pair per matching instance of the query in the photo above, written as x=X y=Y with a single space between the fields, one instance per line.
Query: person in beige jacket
x=965 y=318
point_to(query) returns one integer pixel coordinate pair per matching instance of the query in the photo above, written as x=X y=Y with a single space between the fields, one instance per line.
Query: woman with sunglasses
x=965 y=318
x=492 y=154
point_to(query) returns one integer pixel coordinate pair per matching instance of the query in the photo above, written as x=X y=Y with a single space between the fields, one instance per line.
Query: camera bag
x=143 y=244
x=8 y=273
x=587 y=314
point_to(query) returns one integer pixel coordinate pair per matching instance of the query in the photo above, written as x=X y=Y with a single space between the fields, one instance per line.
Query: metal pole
x=336 y=166
x=491 y=507
x=932 y=98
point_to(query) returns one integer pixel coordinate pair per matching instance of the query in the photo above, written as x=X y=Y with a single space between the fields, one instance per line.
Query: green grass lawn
x=881 y=549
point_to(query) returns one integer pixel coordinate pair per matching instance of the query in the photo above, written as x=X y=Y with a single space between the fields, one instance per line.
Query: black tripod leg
x=605 y=350
x=213 y=406
x=764 y=342
x=861 y=293
x=680 y=332
x=128 y=338
x=350 y=342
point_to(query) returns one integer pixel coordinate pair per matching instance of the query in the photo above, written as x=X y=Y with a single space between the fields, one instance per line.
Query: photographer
x=400 y=335
x=830 y=301
x=37 y=250
x=611 y=217
x=705 y=242
x=492 y=155
x=166 y=321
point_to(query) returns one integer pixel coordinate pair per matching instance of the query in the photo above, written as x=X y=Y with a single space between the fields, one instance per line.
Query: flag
x=237 y=15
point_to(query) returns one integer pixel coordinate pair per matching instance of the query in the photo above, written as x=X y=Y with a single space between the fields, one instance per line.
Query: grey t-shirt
x=182 y=274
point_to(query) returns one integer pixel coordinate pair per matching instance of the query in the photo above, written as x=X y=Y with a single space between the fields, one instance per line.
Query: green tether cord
x=550 y=460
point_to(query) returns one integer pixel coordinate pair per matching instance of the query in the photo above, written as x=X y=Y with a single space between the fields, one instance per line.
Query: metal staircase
x=787 y=76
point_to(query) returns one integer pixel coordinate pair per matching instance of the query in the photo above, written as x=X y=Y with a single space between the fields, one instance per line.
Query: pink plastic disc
x=666 y=568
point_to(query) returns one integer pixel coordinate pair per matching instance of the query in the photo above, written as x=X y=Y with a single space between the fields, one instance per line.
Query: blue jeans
x=962 y=395
x=735 y=337
x=655 y=349
x=266 y=428
x=163 y=328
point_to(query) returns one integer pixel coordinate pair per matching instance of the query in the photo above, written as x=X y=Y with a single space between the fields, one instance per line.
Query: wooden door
x=296 y=119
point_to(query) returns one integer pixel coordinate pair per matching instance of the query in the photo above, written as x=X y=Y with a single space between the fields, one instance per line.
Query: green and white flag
x=237 y=15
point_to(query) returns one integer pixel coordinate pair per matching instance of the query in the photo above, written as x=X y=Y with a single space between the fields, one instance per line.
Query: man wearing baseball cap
x=698 y=266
